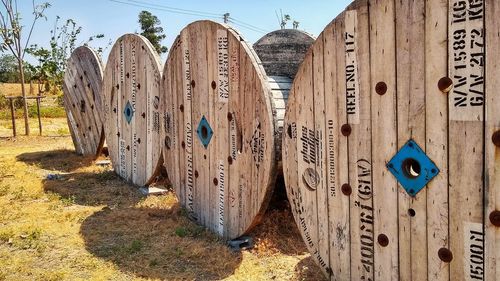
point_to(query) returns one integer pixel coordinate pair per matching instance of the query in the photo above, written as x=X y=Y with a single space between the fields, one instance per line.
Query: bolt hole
x=289 y=131
x=128 y=112
x=204 y=132
x=411 y=212
x=411 y=168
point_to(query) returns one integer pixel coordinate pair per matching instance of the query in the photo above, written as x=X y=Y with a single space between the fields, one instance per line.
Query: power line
x=174 y=9
x=247 y=24
x=147 y=6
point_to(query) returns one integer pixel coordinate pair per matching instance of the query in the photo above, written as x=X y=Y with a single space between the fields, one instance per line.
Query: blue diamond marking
x=128 y=112
x=412 y=168
x=204 y=132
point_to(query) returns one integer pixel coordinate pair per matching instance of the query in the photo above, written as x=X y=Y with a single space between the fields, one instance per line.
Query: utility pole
x=226 y=17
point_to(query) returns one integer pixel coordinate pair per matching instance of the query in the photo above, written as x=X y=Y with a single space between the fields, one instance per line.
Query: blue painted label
x=412 y=168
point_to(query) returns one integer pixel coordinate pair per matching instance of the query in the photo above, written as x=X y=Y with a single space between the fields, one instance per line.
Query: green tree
x=151 y=29
x=11 y=34
x=8 y=69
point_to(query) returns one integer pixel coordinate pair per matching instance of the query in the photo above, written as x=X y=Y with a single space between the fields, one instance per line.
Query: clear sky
x=115 y=19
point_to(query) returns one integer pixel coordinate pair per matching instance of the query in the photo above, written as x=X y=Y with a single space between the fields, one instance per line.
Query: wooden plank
x=357 y=74
x=384 y=137
x=235 y=210
x=131 y=89
x=492 y=151
x=466 y=129
x=410 y=57
x=436 y=131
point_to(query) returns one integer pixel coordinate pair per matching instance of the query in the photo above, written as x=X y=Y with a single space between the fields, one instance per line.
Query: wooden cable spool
x=82 y=102
x=220 y=133
x=131 y=93
x=281 y=52
x=389 y=154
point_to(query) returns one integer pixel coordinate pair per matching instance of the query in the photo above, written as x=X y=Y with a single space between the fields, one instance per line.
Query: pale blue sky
x=114 y=19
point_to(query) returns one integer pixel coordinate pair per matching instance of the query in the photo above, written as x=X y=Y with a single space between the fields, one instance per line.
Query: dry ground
x=89 y=225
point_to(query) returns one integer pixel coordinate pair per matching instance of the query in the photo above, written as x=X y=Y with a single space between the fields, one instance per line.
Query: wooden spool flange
x=82 y=102
x=131 y=93
x=220 y=133
x=376 y=78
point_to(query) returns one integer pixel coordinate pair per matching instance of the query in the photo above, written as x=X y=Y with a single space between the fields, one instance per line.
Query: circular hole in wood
x=90 y=129
x=167 y=142
x=381 y=88
x=84 y=135
x=78 y=125
x=346 y=189
x=411 y=168
x=229 y=116
x=216 y=182
x=128 y=75
x=193 y=84
x=114 y=110
x=138 y=86
x=204 y=156
x=139 y=141
x=214 y=85
x=383 y=240
x=445 y=84
x=82 y=106
x=183 y=144
x=196 y=174
x=88 y=85
x=181 y=108
x=345 y=130
x=143 y=115
x=118 y=134
x=118 y=86
x=74 y=105
x=496 y=138
x=411 y=212
x=74 y=86
x=128 y=112
x=128 y=147
x=495 y=218
x=230 y=160
x=445 y=255
x=92 y=107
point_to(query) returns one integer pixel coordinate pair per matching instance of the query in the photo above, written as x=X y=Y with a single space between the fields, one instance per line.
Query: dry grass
x=89 y=225
x=50 y=127
x=14 y=89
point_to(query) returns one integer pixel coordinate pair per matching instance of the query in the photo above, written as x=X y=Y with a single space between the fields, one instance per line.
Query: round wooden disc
x=282 y=51
x=131 y=92
x=82 y=102
x=375 y=85
x=219 y=137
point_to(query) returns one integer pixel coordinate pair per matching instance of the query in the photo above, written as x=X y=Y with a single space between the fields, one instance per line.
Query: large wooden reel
x=131 y=93
x=82 y=102
x=376 y=78
x=219 y=137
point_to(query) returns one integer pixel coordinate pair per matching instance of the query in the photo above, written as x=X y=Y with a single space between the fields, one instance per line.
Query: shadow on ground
x=63 y=160
x=158 y=243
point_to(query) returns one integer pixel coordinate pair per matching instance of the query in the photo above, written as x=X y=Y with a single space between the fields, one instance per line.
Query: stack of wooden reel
x=390 y=145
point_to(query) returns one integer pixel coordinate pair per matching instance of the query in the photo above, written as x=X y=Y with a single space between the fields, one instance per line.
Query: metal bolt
x=383 y=240
x=495 y=218
x=346 y=189
x=346 y=130
x=445 y=255
x=381 y=88
x=445 y=84
x=496 y=138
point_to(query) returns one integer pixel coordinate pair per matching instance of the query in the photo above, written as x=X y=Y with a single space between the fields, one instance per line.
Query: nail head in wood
x=445 y=255
x=381 y=88
x=346 y=130
x=346 y=189
x=495 y=218
x=383 y=240
x=496 y=138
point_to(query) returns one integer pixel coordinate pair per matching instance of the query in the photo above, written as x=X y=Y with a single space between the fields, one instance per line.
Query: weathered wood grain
x=82 y=102
x=131 y=99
